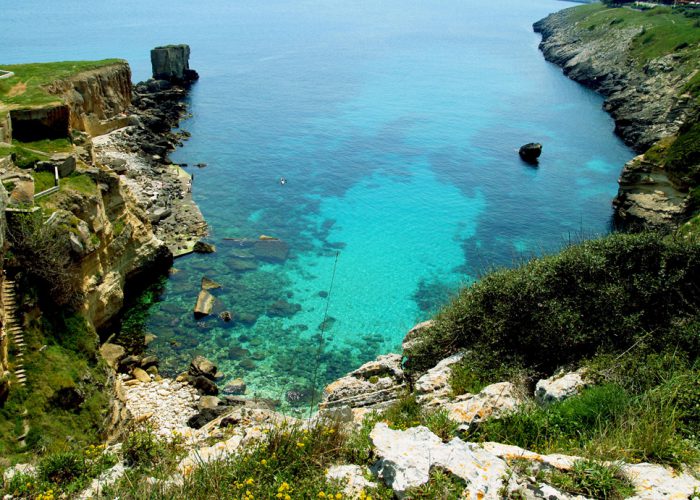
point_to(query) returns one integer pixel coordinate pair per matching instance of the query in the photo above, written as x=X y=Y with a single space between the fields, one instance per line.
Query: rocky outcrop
x=530 y=152
x=648 y=103
x=647 y=196
x=373 y=385
x=98 y=99
x=172 y=63
x=560 y=386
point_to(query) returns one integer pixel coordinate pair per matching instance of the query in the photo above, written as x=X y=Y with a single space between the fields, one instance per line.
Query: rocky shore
x=647 y=100
x=139 y=154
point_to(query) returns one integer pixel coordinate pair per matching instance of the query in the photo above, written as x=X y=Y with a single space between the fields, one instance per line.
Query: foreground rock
x=406 y=458
x=373 y=385
x=560 y=386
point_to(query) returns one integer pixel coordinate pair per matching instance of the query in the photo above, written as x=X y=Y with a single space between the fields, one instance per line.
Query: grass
x=79 y=182
x=28 y=87
x=66 y=395
x=589 y=478
x=289 y=463
x=645 y=409
x=43 y=181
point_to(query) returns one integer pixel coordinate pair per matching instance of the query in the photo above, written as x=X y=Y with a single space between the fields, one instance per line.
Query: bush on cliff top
x=601 y=295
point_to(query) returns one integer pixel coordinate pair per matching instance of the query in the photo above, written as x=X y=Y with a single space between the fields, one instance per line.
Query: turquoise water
x=396 y=124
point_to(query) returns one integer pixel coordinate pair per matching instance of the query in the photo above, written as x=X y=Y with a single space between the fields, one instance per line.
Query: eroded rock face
x=373 y=385
x=172 y=63
x=434 y=386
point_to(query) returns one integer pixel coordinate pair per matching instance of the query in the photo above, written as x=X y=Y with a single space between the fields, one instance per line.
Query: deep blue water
x=396 y=124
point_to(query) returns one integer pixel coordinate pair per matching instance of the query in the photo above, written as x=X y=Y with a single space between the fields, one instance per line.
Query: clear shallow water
x=396 y=124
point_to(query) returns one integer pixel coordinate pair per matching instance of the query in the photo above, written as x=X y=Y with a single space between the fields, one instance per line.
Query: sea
x=396 y=126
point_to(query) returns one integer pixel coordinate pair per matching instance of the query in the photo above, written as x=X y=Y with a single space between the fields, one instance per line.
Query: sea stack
x=172 y=63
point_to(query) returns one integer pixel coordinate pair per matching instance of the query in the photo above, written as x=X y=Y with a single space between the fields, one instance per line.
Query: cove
x=396 y=125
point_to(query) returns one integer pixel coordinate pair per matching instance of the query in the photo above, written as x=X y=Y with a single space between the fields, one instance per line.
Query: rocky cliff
x=646 y=85
x=98 y=99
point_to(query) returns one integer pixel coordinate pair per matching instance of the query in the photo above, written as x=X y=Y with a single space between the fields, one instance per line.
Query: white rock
x=27 y=469
x=559 y=387
x=107 y=478
x=435 y=383
x=653 y=482
x=207 y=454
x=510 y=452
x=353 y=476
x=406 y=458
x=493 y=401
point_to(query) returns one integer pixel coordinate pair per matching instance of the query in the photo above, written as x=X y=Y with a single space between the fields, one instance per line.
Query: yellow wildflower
x=263 y=461
x=300 y=444
x=321 y=494
x=338 y=496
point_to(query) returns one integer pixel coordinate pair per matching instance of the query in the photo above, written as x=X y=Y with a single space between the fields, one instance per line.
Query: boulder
x=203 y=247
x=204 y=305
x=236 y=387
x=204 y=385
x=149 y=362
x=23 y=193
x=209 y=284
x=65 y=162
x=206 y=415
x=375 y=384
x=652 y=481
x=226 y=316
x=201 y=366
x=493 y=401
x=270 y=250
x=530 y=152
x=141 y=375
x=406 y=458
x=208 y=402
x=559 y=387
x=112 y=354
x=128 y=363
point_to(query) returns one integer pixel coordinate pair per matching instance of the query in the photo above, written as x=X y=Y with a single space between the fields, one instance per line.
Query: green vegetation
x=43 y=181
x=601 y=295
x=65 y=397
x=28 y=87
x=62 y=472
x=26 y=154
x=592 y=479
x=291 y=463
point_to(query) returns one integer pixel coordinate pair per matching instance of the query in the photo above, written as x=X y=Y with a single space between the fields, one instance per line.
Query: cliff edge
x=646 y=65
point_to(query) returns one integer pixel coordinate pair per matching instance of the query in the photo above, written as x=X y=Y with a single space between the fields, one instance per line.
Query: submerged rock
x=270 y=250
x=530 y=152
x=236 y=387
x=210 y=284
x=282 y=308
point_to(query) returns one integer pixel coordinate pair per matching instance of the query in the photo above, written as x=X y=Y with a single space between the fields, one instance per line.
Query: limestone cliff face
x=648 y=103
x=112 y=243
x=98 y=99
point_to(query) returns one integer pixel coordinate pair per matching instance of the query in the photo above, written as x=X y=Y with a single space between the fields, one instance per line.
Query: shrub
x=142 y=447
x=600 y=295
x=62 y=468
x=591 y=479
